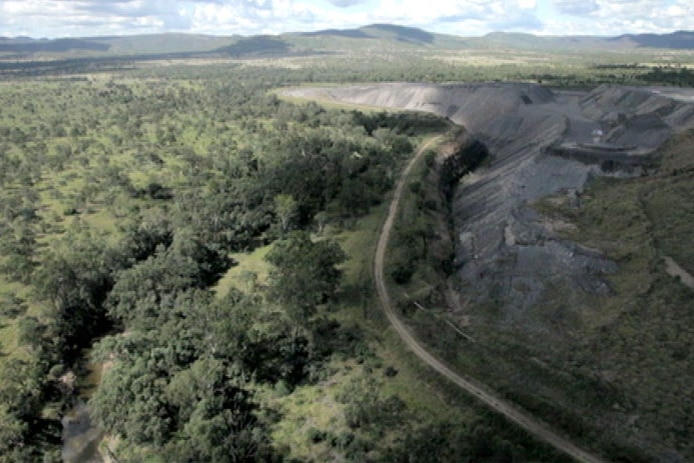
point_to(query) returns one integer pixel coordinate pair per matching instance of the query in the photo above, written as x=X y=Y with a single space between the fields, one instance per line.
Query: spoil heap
x=542 y=143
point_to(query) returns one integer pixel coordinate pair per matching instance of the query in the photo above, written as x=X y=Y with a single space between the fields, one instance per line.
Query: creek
x=81 y=435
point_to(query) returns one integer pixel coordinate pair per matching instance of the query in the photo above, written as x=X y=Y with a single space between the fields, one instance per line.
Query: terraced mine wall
x=536 y=139
x=609 y=159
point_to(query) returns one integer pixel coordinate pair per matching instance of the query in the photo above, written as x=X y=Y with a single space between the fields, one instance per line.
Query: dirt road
x=512 y=413
x=674 y=269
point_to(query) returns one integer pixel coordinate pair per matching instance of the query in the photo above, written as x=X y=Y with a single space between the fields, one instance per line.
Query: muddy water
x=81 y=436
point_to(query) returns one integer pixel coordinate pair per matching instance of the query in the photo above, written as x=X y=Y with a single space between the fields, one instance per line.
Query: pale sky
x=73 y=18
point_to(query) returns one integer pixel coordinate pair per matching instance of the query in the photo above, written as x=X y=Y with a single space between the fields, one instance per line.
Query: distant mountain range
x=331 y=40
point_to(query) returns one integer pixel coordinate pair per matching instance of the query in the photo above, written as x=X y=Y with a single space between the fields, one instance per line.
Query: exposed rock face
x=541 y=143
x=464 y=156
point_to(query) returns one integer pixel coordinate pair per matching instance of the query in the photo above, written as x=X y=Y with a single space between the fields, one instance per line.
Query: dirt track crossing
x=512 y=413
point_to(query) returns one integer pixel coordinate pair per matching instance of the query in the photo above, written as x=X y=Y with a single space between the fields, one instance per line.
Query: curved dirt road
x=512 y=413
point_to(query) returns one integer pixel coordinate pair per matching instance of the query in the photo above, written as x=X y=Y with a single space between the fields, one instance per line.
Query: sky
x=81 y=18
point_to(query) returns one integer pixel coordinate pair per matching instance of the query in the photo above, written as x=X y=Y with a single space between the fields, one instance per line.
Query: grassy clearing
x=9 y=332
x=251 y=269
x=323 y=99
x=308 y=408
x=9 y=329
x=361 y=306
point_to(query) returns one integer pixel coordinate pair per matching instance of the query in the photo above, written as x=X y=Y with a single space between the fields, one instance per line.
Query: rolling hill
x=384 y=36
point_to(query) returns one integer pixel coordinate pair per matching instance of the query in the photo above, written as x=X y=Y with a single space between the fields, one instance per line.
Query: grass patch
x=9 y=329
x=324 y=99
x=633 y=343
x=311 y=407
x=251 y=271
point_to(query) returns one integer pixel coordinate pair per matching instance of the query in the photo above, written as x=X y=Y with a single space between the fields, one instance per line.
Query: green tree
x=304 y=273
x=285 y=208
x=75 y=278
x=144 y=294
x=130 y=401
x=12 y=431
x=223 y=428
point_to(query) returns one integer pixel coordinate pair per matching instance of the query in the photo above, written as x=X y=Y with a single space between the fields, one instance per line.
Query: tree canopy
x=305 y=273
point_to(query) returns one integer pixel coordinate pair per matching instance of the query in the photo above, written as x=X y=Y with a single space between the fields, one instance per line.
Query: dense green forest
x=207 y=244
x=126 y=197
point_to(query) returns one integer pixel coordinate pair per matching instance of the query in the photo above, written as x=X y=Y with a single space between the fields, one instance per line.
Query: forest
x=125 y=199
x=205 y=245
